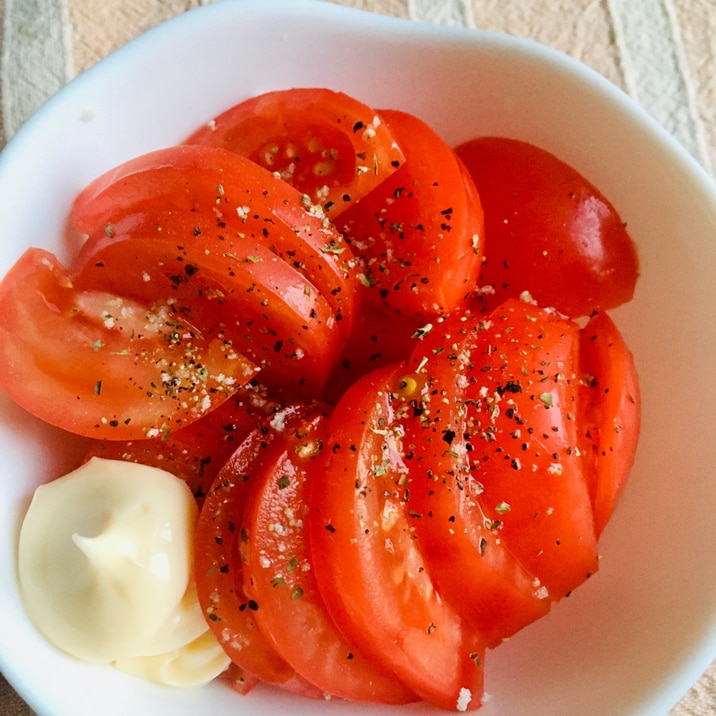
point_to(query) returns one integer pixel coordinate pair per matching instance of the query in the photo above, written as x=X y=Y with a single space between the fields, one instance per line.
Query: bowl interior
x=640 y=632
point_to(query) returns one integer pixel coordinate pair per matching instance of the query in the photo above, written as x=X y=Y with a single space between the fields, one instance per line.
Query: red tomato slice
x=609 y=413
x=238 y=680
x=470 y=561
x=371 y=573
x=548 y=230
x=99 y=364
x=521 y=418
x=278 y=576
x=328 y=145
x=233 y=203
x=253 y=300
x=218 y=570
x=198 y=451
x=420 y=232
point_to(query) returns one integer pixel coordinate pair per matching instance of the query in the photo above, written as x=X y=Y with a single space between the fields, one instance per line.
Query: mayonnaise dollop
x=104 y=562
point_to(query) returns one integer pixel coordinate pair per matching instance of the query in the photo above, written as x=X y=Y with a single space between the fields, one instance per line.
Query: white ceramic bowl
x=634 y=638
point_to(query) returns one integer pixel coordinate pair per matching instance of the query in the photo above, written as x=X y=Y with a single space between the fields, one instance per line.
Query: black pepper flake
x=511 y=386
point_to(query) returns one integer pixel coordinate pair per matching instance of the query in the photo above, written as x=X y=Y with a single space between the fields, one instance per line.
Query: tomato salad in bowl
x=396 y=406
x=383 y=366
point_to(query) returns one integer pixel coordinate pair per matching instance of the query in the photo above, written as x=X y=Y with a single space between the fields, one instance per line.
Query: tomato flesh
x=380 y=337
x=420 y=232
x=198 y=451
x=252 y=300
x=278 y=575
x=470 y=560
x=371 y=573
x=522 y=421
x=218 y=569
x=99 y=364
x=328 y=145
x=213 y=199
x=610 y=414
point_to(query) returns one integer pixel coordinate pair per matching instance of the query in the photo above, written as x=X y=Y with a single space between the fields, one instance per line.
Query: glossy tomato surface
x=420 y=232
x=548 y=231
x=370 y=569
x=279 y=574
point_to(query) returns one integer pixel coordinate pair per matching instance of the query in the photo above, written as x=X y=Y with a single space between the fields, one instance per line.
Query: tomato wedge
x=330 y=146
x=521 y=417
x=609 y=413
x=548 y=230
x=420 y=232
x=100 y=364
x=232 y=203
x=253 y=300
x=369 y=567
x=278 y=575
x=218 y=570
x=470 y=561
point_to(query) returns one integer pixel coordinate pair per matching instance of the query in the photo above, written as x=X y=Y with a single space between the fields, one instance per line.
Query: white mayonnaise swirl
x=105 y=568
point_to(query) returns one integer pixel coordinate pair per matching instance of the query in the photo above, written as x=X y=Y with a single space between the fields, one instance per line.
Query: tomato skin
x=609 y=414
x=236 y=201
x=420 y=232
x=383 y=599
x=548 y=230
x=328 y=145
x=278 y=575
x=113 y=367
